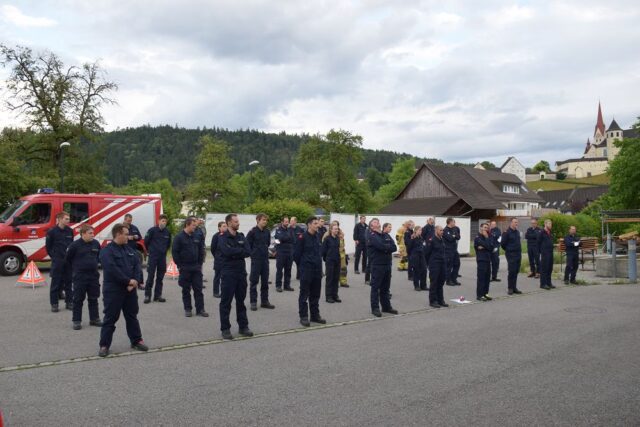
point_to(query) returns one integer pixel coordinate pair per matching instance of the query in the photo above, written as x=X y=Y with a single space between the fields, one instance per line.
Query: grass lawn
x=548 y=185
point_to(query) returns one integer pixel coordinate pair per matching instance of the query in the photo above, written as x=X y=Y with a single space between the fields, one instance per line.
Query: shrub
x=276 y=209
x=586 y=225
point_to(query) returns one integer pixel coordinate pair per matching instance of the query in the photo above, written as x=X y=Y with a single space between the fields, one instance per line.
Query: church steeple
x=600 y=122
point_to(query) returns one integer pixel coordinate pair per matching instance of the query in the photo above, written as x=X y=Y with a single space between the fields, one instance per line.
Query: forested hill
x=150 y=153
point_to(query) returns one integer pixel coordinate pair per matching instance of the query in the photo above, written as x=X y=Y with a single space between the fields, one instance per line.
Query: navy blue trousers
x=534 y=259
x=495 y=264
x=513 y=265
x=437 y=277
x=234 y=285
x=283 y=265
x=380 y=285
x=546 y=268
x=483 y=278
x=188 y=280
x=60 y=281
x=156 y=268
x=310 y=290
x=573 y=260
x=88 y=285
x=116 y=301
x=259 y=272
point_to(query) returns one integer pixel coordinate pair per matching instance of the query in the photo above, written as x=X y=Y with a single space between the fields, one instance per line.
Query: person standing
x=331 y=256
x=134 y=237
x=322 y=231
x=82 y=258
x=417 y=260
x=381 y=248
x=344 y=258
x=572 y=245
x=533 y=252
x=545 y=243
x=513 y=251
x=451 y=236
x=428 y=231
x=217 y=257
x=121 y=275
x=201 y=230
x=297 y=232
x=437 y=259
x=57 y=241
x=483 y=244
x=157 y=241
x=408 y=233
x=188 y=254
x=235 y=249
x=403 y=264
x=259 y=238
x=284 y=255
x=308 y=257
x=496 y=237
x=359 y=238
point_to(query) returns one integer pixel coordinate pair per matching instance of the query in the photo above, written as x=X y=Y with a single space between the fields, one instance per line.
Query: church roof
x=583 y=159
x=600 y=122
x=614 y=126
x=631 y=133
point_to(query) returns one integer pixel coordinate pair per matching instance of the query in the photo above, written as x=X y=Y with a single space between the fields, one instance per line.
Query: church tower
x=599 y=132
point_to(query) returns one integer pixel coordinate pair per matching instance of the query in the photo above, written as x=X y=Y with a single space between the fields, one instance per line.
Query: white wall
x=247 y=222
x=347 y=223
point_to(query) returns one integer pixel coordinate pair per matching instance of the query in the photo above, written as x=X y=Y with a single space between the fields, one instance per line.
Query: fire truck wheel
x=10 y=263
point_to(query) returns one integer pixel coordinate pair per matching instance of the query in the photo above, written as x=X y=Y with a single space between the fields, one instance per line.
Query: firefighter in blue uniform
x=331 y=257
x=451 y=236
x=513 y=251
x=82 y=257
x=572 y=245
x=532 y=235
x=484 y=246
x=121 y=274
x=417 y=261
x=307 y=256
x=57 y=241
x=496 y=237
x=201 y=234
x=134 y=238
x=259 y=238
x=380 y=248
x=360 y=239
x=284 y=255
x=297 y=232
x=408 y=232
x=217 y=258
x=157 y=241
x=437 y=258
x=428 y=232
x=322 y=231
x=188 y=254
x=545 y=243
x=235 y=248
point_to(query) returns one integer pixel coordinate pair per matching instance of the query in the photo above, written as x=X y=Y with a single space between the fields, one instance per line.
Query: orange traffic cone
x=172 y=270
x=31 y=276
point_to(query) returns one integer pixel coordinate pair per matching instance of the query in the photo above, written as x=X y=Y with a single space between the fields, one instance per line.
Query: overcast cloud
x=457 y=80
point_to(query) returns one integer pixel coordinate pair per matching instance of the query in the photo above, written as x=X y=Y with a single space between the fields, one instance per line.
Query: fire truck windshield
x=8 y=213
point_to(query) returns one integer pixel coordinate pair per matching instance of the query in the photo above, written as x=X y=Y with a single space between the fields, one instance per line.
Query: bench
x=589 y=247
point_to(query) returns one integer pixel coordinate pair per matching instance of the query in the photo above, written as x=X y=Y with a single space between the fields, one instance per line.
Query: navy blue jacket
x=511 y=241
x=83 y=258
x=307 y=252
x=532 y=236
x=286 y=238
x=331 y=249
x=322 y=231
x=360 y=233
x=428 y=231
x=569 y=243
x=215 y=245
x=380 y=248
x=415 y=248
x=119 y=265
x=259 y=241
x=495 y=234
x=484 y=247
x=133 y=231
x=188 y=251
x=545 y=242
x=407 y=240
x=157 y=241
x=57 y=241
x=234 y=250
x=451 y=235
x=436 y=251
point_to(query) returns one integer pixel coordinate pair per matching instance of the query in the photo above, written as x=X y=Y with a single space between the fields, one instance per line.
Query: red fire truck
x=24 y=225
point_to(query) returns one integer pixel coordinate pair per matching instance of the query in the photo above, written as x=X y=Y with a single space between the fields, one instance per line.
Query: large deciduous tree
x=624 y=172
x=402 y=172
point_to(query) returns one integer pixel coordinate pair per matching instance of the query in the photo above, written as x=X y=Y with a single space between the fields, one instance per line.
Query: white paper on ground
x=457 y=300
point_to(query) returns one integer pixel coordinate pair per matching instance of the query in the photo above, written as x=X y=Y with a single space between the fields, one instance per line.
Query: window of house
x=510 y=188
x=78 y=212
x=37 y=213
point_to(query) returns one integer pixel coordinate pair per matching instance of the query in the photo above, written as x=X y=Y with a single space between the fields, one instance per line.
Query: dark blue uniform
x=495 y=234
x=484 y=247
x=380 y=248
x=428 y=231
x=322 y=231
x=451 y=236
x=307 y=257
x=297 y=232
x=417 y=261
x=532 y=235
x=234 y=249
x=513 y=251
x=545 y=243
x=188 y=254
x=284 y=256
x=259 y=241
x=157 y=241
x=331 y=257
x=83 y=259
x=360 y=235
x=133 y=243
x=573 y=257
x=217 y=263
x=437 y=257
x=120 y=264
x=57 y=241
x=407 y=243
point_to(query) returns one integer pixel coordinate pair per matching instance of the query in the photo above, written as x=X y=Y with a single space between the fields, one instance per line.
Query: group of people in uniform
x=318 y=251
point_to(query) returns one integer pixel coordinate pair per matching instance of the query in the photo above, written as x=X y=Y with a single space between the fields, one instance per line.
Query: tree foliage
x=277 y=209
x=624 y=172
x=542 y=166
x=402 y=172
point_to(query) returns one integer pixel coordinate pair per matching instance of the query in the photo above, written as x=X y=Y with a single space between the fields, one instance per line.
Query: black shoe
x=278 y=289
x=434 y=305
x=417 y=288
x=449 y=283
x=482 y=299
x=96 y=322
x=566 y=282
x=204 y=287
x=545 y=287
x=573 y=282
x=104 y=352
x=330 y=300
x=443 y=304
x=367 y=282
x=319 y=320
x=54 y=309
x=159 y=299
x=532 y=275
x=205 y=281
x=336 y=299
x=390 y=311
x=344 y=286
x=488 y=298
x=459 y=275
x=202 y=314
x=216 y=295
x=267 y=304
x=496 y=280
x=245 y=332
x=356 y=272
x=140 y=346
x=305 y=322
x=424 y=288
x=517 y=291
x=289 y=288
x=226 y=335
x=552 y=286
x=69 y=306
x=254 y=306
x=376 y=313
x=188 y=313
x=458 y=283
x=147 y=299
x=77 y=326
x=510 y=292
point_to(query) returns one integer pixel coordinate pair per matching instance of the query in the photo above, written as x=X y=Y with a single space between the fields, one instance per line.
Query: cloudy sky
x=457 y=80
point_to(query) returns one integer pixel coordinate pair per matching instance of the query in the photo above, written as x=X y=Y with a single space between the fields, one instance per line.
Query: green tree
x=402 y=172
x=542 y=166
x=488 y=165
x=375 y=179
x=277 y=209
x=624 y=172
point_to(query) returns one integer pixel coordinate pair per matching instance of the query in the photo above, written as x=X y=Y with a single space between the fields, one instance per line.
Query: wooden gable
x=425 y=184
